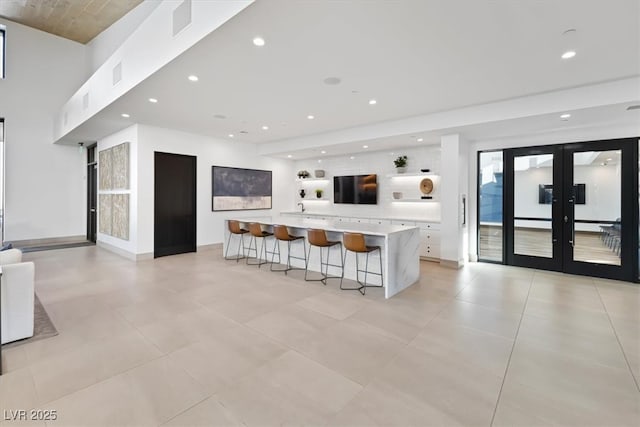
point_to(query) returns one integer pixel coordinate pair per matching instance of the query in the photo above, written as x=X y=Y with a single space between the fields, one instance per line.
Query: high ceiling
x=412 y=57
x=78 y=20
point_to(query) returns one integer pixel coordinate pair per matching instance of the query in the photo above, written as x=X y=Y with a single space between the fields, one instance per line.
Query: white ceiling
x=413 y=57
x=611 y=115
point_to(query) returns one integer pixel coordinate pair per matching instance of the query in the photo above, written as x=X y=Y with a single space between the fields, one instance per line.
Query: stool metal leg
x=289 y=256
x=364 y=285
x=324 y=275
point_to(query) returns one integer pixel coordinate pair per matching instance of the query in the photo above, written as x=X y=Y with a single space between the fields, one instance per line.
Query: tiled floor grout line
x=624 y=354
x=515 y=339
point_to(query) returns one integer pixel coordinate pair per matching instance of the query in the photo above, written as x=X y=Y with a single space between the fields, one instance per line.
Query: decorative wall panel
x=120 y=171
x=105 y=165
x=104 y=213
x=120 y=216
x=113 y=207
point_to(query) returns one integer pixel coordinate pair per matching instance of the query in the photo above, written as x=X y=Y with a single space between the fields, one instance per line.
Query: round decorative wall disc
x=426 y=186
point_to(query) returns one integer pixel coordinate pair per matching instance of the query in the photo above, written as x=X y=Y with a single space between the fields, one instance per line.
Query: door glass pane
x=532 y=202
x=596 y=197
x=490 y=195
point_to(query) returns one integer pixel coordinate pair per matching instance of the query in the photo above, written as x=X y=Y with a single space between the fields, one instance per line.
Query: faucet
x=302 y=205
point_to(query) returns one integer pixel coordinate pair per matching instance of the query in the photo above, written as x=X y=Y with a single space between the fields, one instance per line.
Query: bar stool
x=354 y=242
x=281 y=233
x=256 y=231
x=318 y=238
x=236 y=230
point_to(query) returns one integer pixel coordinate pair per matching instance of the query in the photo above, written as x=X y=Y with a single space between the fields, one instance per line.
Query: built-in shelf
x=323 y=199
x=311 y=179
x=414 y=200
x=412 y=175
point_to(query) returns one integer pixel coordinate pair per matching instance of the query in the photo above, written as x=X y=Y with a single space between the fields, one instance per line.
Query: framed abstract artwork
x=235 y=189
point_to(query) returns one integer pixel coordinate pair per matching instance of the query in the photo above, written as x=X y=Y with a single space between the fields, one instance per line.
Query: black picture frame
x=236 y=189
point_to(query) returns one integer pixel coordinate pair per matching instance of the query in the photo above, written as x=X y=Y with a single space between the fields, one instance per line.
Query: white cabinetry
x=429 y=239
x=429 y=231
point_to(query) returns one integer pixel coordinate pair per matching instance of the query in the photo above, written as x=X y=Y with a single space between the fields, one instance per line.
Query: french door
x=573 y=208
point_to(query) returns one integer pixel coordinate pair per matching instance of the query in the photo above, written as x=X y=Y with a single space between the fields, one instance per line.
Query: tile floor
x=196 y=340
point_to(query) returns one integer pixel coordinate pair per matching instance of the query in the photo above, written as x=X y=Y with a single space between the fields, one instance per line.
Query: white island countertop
x=331 y=225
x=398 y=256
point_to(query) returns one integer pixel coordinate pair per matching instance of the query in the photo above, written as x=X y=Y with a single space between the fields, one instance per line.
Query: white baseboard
x=118 y=251
x=48 y=241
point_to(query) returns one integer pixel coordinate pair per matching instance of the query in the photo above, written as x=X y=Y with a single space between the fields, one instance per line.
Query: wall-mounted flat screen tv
x=545 y=194
x=356 y=189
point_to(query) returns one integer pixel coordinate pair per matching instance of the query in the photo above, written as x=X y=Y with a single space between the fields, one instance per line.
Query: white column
x=454 y=201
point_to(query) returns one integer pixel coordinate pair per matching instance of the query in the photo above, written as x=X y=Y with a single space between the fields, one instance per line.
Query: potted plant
x=319 y=193
x=401 y=164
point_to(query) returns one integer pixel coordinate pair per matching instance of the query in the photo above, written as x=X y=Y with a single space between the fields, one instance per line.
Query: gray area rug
x=42 y=326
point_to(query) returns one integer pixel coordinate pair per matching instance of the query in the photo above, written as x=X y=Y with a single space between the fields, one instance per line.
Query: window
x=490 y=206
x=2 y=44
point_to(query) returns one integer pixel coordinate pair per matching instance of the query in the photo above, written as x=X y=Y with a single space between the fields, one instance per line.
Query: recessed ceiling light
x=231 y=135
x=265 y=127
x=420 y=139
x=125 y=115
x=365 y=146
x=258 y=41
x=609 y=159
x=289 y=156
x=565 y=116
x=633 y=107
x=319 y=160
x=332 y=81
x=372 y=102
x=310 y=117
x=193 y=78
x=153 y=100
x=352 y=157
x=569 y=54
x=323 y=152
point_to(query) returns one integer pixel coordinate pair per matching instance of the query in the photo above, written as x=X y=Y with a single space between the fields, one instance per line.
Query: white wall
x=380 y=163
x=45 y=183
x=129 y=135
x=210 y=152
x=105 y=44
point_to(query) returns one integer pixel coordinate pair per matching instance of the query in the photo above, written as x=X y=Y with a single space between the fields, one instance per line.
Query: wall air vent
x=117 y=73
x=181 y=17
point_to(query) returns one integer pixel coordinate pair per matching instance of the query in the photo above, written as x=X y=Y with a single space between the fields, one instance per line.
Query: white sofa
x=17 y=296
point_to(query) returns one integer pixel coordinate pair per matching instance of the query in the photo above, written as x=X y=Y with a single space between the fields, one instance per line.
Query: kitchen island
x=399 y=248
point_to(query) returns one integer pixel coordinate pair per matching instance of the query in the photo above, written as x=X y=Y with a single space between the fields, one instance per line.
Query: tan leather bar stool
x=318 y=238
x=256 y=231
x=236 y=230
x=354 y=242
x=281 y=233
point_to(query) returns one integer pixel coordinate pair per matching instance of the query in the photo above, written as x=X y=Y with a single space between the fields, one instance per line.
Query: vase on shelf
x=302 y=193
x=397 y=195
x=401 y=170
